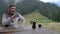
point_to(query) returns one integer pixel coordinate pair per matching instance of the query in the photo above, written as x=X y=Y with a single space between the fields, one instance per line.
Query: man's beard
x=11 y=13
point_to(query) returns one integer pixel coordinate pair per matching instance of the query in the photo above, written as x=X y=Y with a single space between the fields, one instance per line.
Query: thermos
x=33 y=25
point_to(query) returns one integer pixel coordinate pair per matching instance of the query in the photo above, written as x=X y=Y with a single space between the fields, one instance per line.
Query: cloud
x=57 y=2
x=50 y=0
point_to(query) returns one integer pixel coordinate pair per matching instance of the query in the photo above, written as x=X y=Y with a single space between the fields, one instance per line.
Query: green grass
x=52 y=26
x=37 y=17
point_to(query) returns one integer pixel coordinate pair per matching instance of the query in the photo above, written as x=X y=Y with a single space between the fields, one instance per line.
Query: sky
x=50 y=0
x=57 y=2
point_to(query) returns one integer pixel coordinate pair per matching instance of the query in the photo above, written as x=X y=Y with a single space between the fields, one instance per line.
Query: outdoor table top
x=26 y=30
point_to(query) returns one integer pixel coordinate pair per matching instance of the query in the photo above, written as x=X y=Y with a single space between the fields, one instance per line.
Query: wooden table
x=26 y=31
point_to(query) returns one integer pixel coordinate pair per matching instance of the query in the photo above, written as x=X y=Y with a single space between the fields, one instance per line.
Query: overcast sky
x=52 y=1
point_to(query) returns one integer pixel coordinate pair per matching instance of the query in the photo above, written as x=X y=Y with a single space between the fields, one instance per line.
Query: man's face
x=12 y=10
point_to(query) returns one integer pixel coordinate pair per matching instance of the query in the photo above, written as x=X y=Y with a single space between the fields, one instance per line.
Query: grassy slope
x=36 y=16
x=52 y=26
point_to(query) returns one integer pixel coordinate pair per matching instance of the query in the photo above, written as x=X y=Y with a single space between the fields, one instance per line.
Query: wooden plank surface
x=3 y=29
x=28 y=30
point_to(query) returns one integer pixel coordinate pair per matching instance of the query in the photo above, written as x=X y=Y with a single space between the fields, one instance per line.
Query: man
x=11 y=17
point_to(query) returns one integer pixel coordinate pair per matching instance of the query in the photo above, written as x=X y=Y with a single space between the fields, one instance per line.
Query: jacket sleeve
x=22 y=20
x=5 y=20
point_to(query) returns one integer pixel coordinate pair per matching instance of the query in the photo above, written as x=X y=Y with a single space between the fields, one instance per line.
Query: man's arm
x=22 y=20
x=5 y=20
